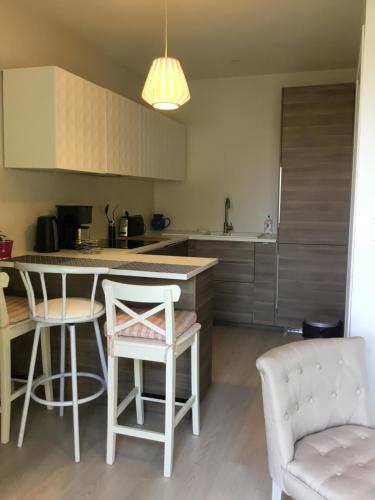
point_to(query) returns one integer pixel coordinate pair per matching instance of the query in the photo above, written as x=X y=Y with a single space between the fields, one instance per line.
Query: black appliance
x=130 y=244
x=71 y=220
x=136 y=225
x=322 y=327
x=47 y=239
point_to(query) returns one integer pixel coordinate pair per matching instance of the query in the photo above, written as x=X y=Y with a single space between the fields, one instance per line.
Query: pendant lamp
x=166 y=86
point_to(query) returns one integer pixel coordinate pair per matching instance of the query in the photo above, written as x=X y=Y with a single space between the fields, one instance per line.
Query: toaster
x=136 y=225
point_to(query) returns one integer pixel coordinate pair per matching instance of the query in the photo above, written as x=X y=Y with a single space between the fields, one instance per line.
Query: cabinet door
x=80 y=121
x=316 y=158
x=152 y=153
x=233 y=302
x=311 y=282
x=124 y=134
x=174 y=164
x=264 y=283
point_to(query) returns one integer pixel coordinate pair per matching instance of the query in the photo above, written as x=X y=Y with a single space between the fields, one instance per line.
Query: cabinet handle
x=279 y=207
x=277 y=282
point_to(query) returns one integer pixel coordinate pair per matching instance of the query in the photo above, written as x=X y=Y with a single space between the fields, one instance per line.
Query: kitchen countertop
x=220 y=236
x=124 y=262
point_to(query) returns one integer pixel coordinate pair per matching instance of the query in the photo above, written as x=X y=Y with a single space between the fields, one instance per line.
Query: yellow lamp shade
x=166 y=86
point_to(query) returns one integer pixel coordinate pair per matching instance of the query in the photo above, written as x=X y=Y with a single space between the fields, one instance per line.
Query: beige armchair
x=319 y=420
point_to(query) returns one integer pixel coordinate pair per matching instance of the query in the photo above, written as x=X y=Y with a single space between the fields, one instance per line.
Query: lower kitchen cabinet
x=244 y=280
x=312 y=280
x=233 y=302
x=264 y=283
x=178 y=249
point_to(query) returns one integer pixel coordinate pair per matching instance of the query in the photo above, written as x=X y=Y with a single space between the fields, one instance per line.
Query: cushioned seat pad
x=18 y=309
x=76 y=308
x=337 y=464
x=183 y=321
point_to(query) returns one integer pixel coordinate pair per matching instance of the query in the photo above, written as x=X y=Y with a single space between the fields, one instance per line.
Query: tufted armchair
x=319 y=420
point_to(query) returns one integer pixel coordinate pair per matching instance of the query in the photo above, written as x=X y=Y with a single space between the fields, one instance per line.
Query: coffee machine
x=72 y=221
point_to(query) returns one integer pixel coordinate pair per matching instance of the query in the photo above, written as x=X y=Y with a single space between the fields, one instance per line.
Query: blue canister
x=159 y=222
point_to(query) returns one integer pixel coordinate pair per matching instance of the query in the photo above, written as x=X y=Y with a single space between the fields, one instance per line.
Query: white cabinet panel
x=81 y=134
x=56 y=120
x=175 y=150
x=124 y=135
x=53 y=119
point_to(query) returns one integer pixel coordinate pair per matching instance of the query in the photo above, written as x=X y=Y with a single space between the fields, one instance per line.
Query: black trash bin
x=322 y=327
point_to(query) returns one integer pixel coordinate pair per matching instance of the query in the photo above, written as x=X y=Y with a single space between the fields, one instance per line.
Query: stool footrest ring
x=87 y=399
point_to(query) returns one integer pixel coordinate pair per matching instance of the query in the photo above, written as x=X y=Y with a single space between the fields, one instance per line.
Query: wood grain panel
x=264 y=283
x=312 y=281
x=316 y=156
x=232 y=251
x=234 y=302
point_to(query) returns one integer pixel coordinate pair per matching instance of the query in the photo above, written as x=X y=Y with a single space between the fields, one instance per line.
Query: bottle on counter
x=124 y=225
x=268 y=225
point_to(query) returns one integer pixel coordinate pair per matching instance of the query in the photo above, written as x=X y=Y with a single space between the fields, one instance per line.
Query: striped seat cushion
x=18 y=309
x=183 y=321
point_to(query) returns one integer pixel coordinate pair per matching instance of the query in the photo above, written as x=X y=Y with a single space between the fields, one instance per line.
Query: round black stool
x=322 y=327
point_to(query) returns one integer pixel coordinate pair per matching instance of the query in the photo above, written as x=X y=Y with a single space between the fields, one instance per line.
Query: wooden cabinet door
x=311 y=282
x=265 y=283
x=316 y=159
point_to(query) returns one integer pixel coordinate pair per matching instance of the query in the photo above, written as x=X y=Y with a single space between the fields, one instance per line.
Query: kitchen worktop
x=220 y=236
x=123 y=262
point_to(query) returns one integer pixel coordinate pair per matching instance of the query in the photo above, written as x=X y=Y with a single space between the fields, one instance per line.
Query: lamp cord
x=166 y=27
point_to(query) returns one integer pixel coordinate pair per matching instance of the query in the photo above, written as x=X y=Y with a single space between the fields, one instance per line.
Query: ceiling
x=215 y=38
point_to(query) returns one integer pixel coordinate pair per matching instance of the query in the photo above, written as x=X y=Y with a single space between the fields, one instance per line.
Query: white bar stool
x=64 y=311
x=161 y=335
x=14 y=322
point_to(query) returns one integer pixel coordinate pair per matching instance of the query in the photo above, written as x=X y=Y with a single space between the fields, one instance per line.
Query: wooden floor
x=226 y=462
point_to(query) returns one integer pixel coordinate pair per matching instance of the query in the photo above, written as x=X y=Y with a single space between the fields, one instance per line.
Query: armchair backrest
x=118 y=296
x=4 y=281
x=309 y=386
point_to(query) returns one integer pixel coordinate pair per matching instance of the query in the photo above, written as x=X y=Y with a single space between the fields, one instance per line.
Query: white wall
x=233 y=150
x=361 y=279
x=26 y=39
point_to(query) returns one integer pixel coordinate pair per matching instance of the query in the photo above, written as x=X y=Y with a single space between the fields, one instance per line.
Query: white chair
x=14 y=322
x=319 y=420
x=64 y=311
x=159 y=334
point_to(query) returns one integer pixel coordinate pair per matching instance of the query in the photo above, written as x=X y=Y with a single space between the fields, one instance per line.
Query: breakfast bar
x=193 y=275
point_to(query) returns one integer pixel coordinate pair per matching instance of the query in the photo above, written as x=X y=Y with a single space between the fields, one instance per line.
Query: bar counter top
x=122 y=263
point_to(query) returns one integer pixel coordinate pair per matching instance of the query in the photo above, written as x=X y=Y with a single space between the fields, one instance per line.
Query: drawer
x=242 y=272
x=233 y=251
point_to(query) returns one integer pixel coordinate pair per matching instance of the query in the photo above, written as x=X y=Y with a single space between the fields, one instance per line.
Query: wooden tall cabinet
x=315 y=184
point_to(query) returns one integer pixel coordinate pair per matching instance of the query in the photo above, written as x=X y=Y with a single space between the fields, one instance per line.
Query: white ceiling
x=214 y=38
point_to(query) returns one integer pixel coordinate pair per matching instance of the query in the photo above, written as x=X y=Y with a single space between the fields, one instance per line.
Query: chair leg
x=29 y=384
x=5 y=385
x=45 y=343
x=73 y=362
x=195 y=383
x=101 y=350
x=277 y=492
x=62 y=369
x=138 y=382
x=112 y=408
x=170 y=389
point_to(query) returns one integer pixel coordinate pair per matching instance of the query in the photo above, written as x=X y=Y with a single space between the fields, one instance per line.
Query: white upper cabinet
x=53 y=119
x=56 y=120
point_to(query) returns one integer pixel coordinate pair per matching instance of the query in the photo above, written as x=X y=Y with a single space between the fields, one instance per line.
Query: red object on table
x=6 y=249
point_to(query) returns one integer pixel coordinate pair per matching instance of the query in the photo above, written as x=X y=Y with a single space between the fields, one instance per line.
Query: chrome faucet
x=228 y=226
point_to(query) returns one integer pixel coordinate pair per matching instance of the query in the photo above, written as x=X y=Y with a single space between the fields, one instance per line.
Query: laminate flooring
x=228 y=461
